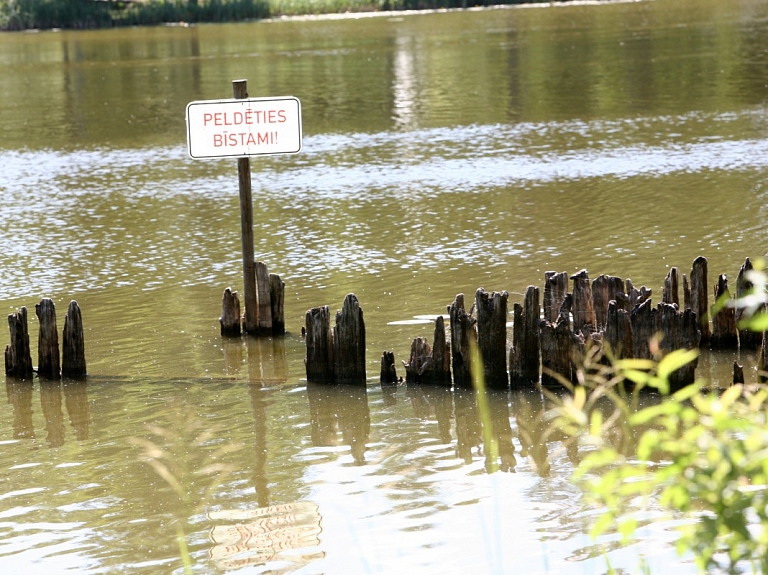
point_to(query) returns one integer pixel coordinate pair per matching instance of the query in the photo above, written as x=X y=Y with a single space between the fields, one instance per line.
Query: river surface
x=442 y=152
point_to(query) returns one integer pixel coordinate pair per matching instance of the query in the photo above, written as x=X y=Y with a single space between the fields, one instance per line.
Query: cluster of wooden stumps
x=550 y=335
x=270 y=314
x=70 y=363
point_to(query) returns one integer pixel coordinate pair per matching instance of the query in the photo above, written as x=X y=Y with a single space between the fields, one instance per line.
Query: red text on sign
x=248 y=118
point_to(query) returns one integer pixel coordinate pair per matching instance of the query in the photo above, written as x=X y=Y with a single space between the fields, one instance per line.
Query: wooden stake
x=349 y=343
x=230 y=314
x=462 y=332
x=48 y=364
x=492 y=336
x=525 y=351
x=18 y=360
x=73 y=354
x=277 y=301
x=699 y=295
x=319 y=359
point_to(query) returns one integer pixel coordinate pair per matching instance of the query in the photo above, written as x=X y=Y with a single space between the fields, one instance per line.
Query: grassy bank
x=47 y=14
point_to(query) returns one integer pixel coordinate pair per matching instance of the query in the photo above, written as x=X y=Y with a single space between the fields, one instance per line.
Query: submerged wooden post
x=230 y=313
x=699 y=295
x=18 y=360
x=277 y=301
x=48 y=364
x=73 y=352
x=319 y=359
x=492 y=336
x=524 y=355
x=263 y=298
x=462 y=332
x=349 y=343
x=762 y=360
x=418 y=361
x=250 y=323
x=555 y=288
x=724 y=334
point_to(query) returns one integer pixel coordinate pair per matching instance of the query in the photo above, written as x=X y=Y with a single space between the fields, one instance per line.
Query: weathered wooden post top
x=242 y=127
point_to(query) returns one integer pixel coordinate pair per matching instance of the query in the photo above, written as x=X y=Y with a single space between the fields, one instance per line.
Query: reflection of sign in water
x=263 y=535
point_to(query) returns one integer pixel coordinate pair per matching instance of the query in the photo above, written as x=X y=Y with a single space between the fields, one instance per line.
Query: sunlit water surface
x=442 y=153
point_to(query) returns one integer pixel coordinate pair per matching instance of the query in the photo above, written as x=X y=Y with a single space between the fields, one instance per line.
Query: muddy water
x=442 y=153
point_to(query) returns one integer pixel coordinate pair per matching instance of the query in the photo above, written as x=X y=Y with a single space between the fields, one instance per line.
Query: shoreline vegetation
x=20 y=15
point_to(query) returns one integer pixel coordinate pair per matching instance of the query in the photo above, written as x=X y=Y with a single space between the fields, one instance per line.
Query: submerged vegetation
x=78 y=14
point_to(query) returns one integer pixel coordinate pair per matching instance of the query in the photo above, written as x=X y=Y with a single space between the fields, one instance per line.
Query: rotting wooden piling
x=680 y=331
x=671 y=292
x=263 y=299
x=349 y=343
x=724 y=333
x=762 y=360
x=747 y=339
x=48 y=359
x=18 y=359
x=230 y=314
x=73 y=363
x=644 y=327
x=605 y=289
x=618 y=331
x=388 y=374
x=492 y=336
x=463 y=332
x=738 y=373
x=525 y=352
x=319 y=360
x=556 y=341
x=277 y=303
x=427 y=364
x=699 y=295
x=555 y=288
x=583 y=309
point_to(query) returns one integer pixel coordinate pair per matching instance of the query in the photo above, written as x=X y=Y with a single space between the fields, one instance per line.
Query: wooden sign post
x=241 y=128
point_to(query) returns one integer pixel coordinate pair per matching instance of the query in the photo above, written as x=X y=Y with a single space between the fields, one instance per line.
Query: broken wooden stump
x=48 y=363
x=679 y=331
x=636 y=296
x=427 y=364
x=230 y=314
x=556 y=341
x=492 y=336
x=462 y=333
x=73 y=352
x=747 y=339
x=388 y=374
x=349 y=343
x=418 y=361
x=277 y=303
x=618 y=331
x=18 y=360
x=319 y=360
x=671 y=291
x=698 y=297
x=606 y=289
x=644 y=327
x=555 y=288
x=524 y=355
x=724 y=333
x=263 y=299
x=583 y=309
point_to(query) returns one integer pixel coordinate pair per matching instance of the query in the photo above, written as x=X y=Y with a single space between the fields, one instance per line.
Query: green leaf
x=675 y=360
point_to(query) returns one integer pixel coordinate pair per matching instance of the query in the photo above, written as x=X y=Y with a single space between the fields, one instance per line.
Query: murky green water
x=442 y=153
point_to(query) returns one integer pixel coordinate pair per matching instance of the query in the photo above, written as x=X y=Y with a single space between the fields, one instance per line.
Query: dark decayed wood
x=73 y=352
x=48 y=358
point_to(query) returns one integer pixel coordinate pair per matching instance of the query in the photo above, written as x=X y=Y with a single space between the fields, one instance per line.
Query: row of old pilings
x=550 y=336
x=18 y=358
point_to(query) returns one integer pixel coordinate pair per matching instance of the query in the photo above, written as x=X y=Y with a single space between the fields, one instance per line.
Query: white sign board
x=239 y=128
